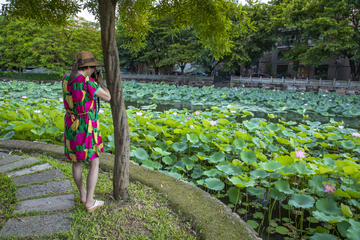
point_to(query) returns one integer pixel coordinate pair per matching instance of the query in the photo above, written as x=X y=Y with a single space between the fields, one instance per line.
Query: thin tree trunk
x=107 y=10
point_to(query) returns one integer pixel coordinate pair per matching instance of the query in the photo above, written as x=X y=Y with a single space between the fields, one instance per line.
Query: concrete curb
x=214 y=218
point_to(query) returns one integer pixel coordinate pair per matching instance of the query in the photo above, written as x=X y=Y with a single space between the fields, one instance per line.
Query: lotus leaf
x=281 y=230
x=179 y=147
x=273 y=127
x=258 y=215
x=8 y=135
x=252 y=223
x=341 y=193
x=342 y=227
x=196 y=172
x=259 y=173
x=148 y=163
x=248 y=157
x=328 y=206
x=302 y=168
x=276 y=194
x=322 y=236
x=192 y=137
x=141 y=154
x=287 y=170
x=173 y=174
x=270 y=165
x=301 y=201
x=241 y=183
x=354 y=203
x=327 y=218
x=239 y=143
x=283 y=186
x=234 y=195
x=168 y=160
x=273 y=148
x=251 y=125
x=353 y=233
x=217 y=157
x=256 y=191
x=214 y=184
x=212 y=173
x=348 y=144
x=285 y=160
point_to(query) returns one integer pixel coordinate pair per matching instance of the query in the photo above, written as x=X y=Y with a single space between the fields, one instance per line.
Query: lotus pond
x=298 y=180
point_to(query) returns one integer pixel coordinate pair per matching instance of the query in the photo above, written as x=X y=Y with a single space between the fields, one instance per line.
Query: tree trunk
x=182 y=66
x=107 y=10
x=354 y=70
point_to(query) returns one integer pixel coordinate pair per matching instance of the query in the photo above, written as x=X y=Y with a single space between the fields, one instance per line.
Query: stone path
x=51 y=223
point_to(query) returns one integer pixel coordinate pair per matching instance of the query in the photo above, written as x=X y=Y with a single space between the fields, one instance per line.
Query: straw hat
x=86 y=58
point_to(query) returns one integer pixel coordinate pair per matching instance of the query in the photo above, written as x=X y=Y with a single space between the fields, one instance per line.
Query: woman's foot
x=95 y=206
x=83 y=198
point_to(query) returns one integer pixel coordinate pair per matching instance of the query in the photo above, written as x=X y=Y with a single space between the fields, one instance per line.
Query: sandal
x=96 y=205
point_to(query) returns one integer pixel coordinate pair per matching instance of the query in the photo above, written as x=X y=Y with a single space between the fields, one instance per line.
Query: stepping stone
x=43 y=189
x=37 y=225
x=10 y=159
x=17 y=164
x=48 y=204
x=30 y=170
x=3 y=154
x=39 y=177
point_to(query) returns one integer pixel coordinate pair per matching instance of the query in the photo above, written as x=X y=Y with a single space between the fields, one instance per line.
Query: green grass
x=146 y=215
x=7 y=198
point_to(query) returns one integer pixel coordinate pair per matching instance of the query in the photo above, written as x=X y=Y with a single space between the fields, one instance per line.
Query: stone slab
x=3 y=154
x=39 y=177
x=13 y=165
x=43 y=189
x=37 y=225
x=48 y=204
x=10 y=159
x=29 y=170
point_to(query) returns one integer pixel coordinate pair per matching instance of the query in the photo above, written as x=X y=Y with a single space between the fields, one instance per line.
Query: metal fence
x=300 y=82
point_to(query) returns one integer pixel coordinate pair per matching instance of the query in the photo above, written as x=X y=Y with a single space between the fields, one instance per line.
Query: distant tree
x=26 y=43
x=184 y=49
x=334 y=29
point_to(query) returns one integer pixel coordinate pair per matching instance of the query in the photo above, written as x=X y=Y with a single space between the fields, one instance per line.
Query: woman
x=82 y=137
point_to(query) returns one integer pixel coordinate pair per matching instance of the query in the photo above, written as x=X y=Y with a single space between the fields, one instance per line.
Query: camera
x=95 y=74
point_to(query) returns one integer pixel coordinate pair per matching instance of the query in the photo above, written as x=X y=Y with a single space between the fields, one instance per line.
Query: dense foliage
x=309 y=170
x=26 y=43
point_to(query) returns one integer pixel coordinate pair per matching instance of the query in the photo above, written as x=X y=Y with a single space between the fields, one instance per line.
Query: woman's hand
x=100 y=76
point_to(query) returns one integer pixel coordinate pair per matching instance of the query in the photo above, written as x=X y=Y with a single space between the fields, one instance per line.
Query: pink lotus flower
x=329 y=188
x=324 y=95
x=212 y=123
x=101 y=111
x=189 y=118
x=175 y=113
x=197 y=113
x=305 y=104
x=341 y=127
x=23 y=97
x=355 y=134
x=326 y=91
x=139 y=114
x=236 y=88
x=330 y=100
x=233 y=111
x=300 y=154
x=61 y=100
x=302 y=93
x=16 y=111
x=37 y=111
x=270 y=98
x=302 y=98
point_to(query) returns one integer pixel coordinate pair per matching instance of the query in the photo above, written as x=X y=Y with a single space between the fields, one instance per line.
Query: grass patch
x=146 y=215
x=7 y=198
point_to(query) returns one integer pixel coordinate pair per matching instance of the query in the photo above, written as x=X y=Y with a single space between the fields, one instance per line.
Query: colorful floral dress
x=82 y=137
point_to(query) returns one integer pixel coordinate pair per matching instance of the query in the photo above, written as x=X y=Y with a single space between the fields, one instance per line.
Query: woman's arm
x=102 y=92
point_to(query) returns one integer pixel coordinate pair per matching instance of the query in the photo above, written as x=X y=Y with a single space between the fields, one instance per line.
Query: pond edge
x=213 y=218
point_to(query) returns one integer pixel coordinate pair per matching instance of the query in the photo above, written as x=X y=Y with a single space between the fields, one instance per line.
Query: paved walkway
x=32 y=198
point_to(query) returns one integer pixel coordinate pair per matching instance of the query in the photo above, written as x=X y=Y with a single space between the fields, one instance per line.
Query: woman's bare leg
x=91 y=182
x=77 y=175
